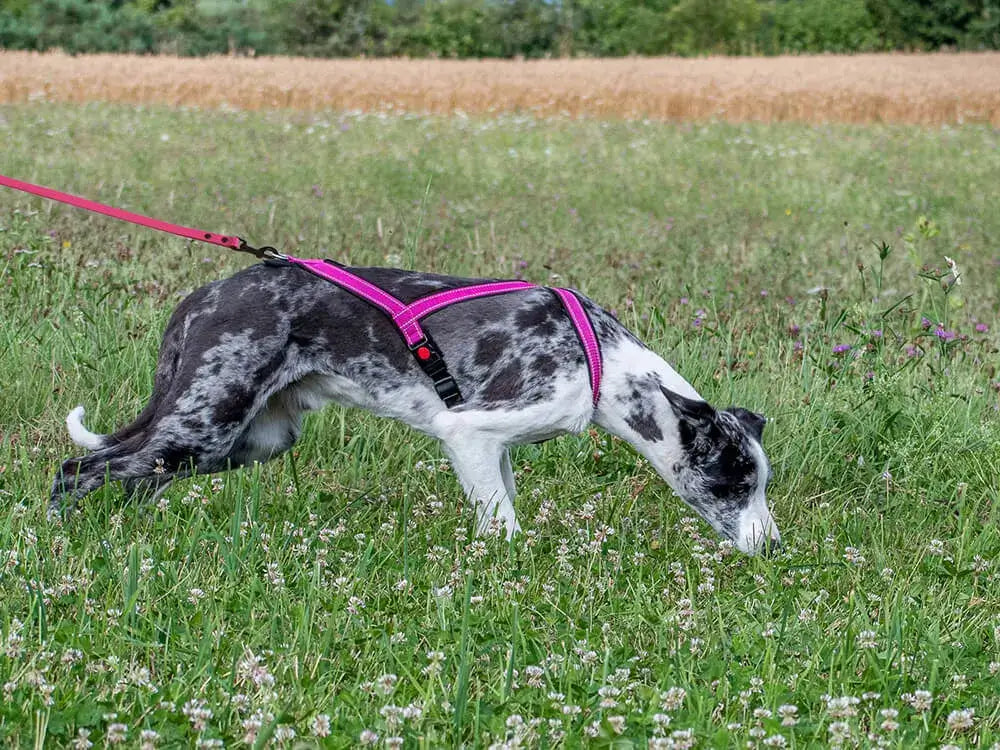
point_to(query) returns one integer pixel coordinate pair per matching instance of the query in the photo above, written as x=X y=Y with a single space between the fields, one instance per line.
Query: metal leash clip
x=266 y=252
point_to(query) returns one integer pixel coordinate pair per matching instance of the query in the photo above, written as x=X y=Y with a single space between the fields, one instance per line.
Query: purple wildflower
x=869 y=375
x=841 y=348
x=982 y=328
x=925 y=323
x=684 y=300
x=793 y=329
x=944 y=335
x=763 y=292
x=877 y=333
x=797 y=346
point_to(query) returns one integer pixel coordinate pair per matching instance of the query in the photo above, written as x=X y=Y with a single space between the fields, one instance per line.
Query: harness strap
x=585 y=330
x=406 y=318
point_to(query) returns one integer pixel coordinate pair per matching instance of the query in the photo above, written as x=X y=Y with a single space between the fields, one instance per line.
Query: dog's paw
x=59 y=512
x=498 y=526
x=55 y=514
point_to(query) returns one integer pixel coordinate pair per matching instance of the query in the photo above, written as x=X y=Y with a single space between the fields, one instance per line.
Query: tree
x=700 y=26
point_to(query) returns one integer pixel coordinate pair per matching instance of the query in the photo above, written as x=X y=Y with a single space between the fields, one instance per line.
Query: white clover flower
x=919 y=700
x=284 y=732
x=788 y=714
x=960 y=720
x=842 y=707
x=252 y=670
x=866 y=639
x=839 y=731
x=535 y=675
x=117 y=733
x=198 y=713
x=673 y=698
x=889 y=715
x=80 y=742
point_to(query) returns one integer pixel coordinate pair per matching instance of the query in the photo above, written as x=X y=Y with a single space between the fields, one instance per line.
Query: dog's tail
x=80 y=434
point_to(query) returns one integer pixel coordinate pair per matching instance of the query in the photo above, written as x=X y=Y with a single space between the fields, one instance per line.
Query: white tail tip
x=80 y=434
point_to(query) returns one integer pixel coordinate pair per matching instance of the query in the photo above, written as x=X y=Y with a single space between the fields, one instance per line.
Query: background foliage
x=498 y=28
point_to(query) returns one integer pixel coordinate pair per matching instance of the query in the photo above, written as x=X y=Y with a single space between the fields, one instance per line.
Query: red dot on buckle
x=423 y=353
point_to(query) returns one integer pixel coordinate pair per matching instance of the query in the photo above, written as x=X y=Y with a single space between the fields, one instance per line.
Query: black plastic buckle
x=431 y=361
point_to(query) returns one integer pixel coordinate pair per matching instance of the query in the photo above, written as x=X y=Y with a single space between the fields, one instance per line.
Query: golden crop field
x=925 y=89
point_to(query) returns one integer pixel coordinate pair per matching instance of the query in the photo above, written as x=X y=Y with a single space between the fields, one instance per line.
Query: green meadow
x=843 y=280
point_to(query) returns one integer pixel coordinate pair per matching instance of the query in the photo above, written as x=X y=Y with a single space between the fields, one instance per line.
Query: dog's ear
x=751 y=421
x=698 y=413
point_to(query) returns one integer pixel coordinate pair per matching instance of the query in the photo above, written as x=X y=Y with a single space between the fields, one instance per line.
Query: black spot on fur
x=642 y=421
x=530 y=317
x=544 y=365
x=506 y=385
x=233 y=408
x=491 y=348
x=732 y=473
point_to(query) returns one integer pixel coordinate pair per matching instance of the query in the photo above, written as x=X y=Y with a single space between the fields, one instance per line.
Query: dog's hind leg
x=79 y=476
x=164 y=444
x=478 y=465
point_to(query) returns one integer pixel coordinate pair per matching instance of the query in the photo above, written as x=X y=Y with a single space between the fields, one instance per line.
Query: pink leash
x=234 y=243
x=405 y=317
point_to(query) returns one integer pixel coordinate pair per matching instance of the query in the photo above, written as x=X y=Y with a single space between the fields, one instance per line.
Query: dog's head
x=722 y=471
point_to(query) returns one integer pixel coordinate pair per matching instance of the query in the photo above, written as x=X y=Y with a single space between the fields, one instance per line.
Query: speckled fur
x=245 y=357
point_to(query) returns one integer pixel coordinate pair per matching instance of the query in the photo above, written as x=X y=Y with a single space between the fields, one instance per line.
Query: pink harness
x=405 y=317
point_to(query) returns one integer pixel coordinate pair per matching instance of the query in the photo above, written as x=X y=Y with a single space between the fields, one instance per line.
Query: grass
x=341 y=586
x=926 y=89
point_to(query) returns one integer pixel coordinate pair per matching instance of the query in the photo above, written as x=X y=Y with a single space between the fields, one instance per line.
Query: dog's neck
x=634 y=408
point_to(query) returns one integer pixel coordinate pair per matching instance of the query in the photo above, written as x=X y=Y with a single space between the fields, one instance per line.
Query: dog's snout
x=758 y=533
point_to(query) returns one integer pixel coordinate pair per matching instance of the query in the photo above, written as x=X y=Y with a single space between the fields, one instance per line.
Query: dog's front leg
x=478 y=464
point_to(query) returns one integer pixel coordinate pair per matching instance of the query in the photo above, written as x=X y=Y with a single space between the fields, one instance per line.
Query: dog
x=243 y=359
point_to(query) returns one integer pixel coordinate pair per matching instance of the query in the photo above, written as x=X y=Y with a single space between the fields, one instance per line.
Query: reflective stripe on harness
x=407 y=318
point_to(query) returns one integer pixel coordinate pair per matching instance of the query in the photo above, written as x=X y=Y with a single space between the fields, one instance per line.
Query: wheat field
x=928 y=89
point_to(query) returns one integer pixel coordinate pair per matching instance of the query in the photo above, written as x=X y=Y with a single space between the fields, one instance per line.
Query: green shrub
x=824 y=26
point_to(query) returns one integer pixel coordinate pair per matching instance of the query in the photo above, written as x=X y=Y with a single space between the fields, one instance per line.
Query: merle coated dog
x=243 y=358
